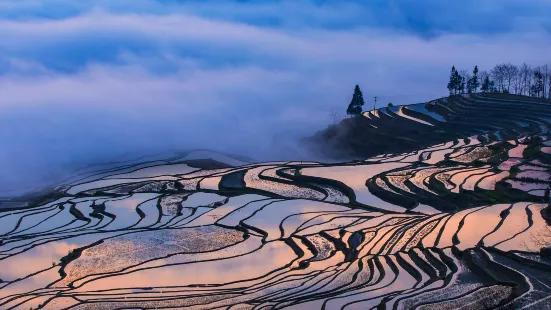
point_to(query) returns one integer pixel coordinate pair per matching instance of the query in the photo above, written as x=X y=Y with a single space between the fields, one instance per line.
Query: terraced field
x=459 y=224
x=408 y=128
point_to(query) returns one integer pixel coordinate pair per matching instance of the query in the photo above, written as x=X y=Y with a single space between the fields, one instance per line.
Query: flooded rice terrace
x=458 y=225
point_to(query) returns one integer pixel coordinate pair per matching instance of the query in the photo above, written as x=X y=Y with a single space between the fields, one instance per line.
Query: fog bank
x=91 y=82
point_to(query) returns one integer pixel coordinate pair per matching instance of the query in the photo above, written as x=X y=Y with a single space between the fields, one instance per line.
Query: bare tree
x=517 y=82
x=509 y=73
x=546 y=75
x=526 y=76
x=335 y=115
x=506 y=78
x=548 y=83
x=498 y=75
x=521 y=70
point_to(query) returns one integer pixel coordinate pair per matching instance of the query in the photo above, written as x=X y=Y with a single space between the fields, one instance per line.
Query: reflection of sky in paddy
x=271 y=216
x=355 y=177
x=277 y=240
x=271 y=256
x=38 y=260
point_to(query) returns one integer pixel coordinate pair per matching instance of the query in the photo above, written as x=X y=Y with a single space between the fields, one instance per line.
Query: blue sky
x=84 y=81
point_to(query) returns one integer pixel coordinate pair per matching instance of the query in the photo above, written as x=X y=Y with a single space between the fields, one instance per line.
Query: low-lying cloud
x=95 y=81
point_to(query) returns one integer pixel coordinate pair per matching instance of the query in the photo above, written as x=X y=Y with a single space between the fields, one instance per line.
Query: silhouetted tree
x=461 y=78
x=538 y=87
x=525 y=77
x=473 y=84
x=452 y=82
x=476 y=82
x=390 y=105
x=456 y=82
x=546 y=74
x=510 y=71
x=485 y=84
x=547 y=78
x=498 y=75
x=334 y=115
x=504 y=78
x=470 y=86
x=355 y=106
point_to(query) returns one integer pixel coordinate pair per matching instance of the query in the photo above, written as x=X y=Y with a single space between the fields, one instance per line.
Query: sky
x=98 y=80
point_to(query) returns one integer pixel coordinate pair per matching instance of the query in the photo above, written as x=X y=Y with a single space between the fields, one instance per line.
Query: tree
x=537 y=87
x=549 y=88
x=467 y=80
x=461 y=78
x=546 y=74
x=456 y=84
x=475 y=83
x=503 y=75
x=498 y=75
x=526 y=77
x=493 y=88
x=485 y=84
x=390 y=105
x=452 y=83
x=484 y=79
x=509 y=73
x=504 y=78
x=470 y=84
x=334 y=115
x=472 y=81
x=517 y=83
x=488 y=86
x=357 y=102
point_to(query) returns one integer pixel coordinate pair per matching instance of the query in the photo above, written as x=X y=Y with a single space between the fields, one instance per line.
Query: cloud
x=427 y=18
x=89 y=81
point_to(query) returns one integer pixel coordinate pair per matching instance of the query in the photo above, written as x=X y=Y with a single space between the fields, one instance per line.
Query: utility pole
x=375 y=104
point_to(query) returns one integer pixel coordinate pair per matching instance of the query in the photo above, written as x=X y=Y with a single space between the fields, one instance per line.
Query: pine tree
x=459 y=82
x=355 y=106
x=475 y=84
x=452 y=83
x=470 y=85
x=485 y=85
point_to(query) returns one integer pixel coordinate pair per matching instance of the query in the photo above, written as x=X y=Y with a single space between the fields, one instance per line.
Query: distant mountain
x=406 y=128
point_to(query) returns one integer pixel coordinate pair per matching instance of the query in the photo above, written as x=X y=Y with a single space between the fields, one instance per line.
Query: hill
x=406 y=128
x=459 y=224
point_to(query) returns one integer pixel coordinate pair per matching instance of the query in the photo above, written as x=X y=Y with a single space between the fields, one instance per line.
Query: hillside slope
x=406 y=128
x=457 y=225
